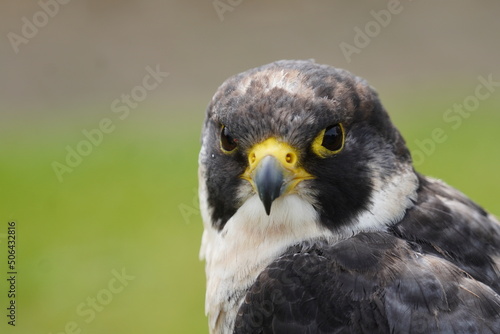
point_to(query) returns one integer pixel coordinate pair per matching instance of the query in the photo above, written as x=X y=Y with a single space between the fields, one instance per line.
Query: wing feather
x=371 y=283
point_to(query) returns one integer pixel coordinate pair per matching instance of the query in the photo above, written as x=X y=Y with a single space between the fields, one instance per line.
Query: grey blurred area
x=89 y=52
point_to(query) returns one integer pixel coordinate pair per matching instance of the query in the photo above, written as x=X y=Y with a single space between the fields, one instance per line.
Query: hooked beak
x=268 y=179
x=273 y=171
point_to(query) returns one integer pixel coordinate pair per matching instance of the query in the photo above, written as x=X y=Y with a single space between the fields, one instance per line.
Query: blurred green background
x=130 y=205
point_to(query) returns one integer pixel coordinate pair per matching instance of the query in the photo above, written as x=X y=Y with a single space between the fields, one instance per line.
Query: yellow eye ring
x=329 y=141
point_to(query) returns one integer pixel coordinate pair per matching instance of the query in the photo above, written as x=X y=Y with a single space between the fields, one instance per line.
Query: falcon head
x=292 y=137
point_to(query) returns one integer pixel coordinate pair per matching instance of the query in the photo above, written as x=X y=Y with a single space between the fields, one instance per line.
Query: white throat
x=249 y=242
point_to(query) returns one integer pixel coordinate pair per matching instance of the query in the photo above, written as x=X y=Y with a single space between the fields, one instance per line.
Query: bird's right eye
x=227 y=142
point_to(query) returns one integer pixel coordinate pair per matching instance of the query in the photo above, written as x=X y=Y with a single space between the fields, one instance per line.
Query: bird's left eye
x=227 y=142
x=333 y=139
x=330 y=141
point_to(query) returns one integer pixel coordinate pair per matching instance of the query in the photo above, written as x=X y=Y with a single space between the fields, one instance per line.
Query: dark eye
x=333 y=139
x=227 y=141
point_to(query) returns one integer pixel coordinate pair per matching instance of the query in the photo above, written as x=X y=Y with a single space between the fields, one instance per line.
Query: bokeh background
x=130 y=205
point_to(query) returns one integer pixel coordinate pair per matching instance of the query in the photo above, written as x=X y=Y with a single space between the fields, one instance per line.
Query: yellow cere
x=287 y=155
x=283 y=152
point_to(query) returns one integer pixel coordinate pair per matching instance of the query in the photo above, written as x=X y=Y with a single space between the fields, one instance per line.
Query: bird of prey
x=315 y=220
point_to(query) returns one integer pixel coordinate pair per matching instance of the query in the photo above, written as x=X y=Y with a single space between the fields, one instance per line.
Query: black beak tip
x=267 y=206
x=267 y=197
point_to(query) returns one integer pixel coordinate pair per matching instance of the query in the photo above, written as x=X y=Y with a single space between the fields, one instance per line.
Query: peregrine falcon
x=315 y=220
